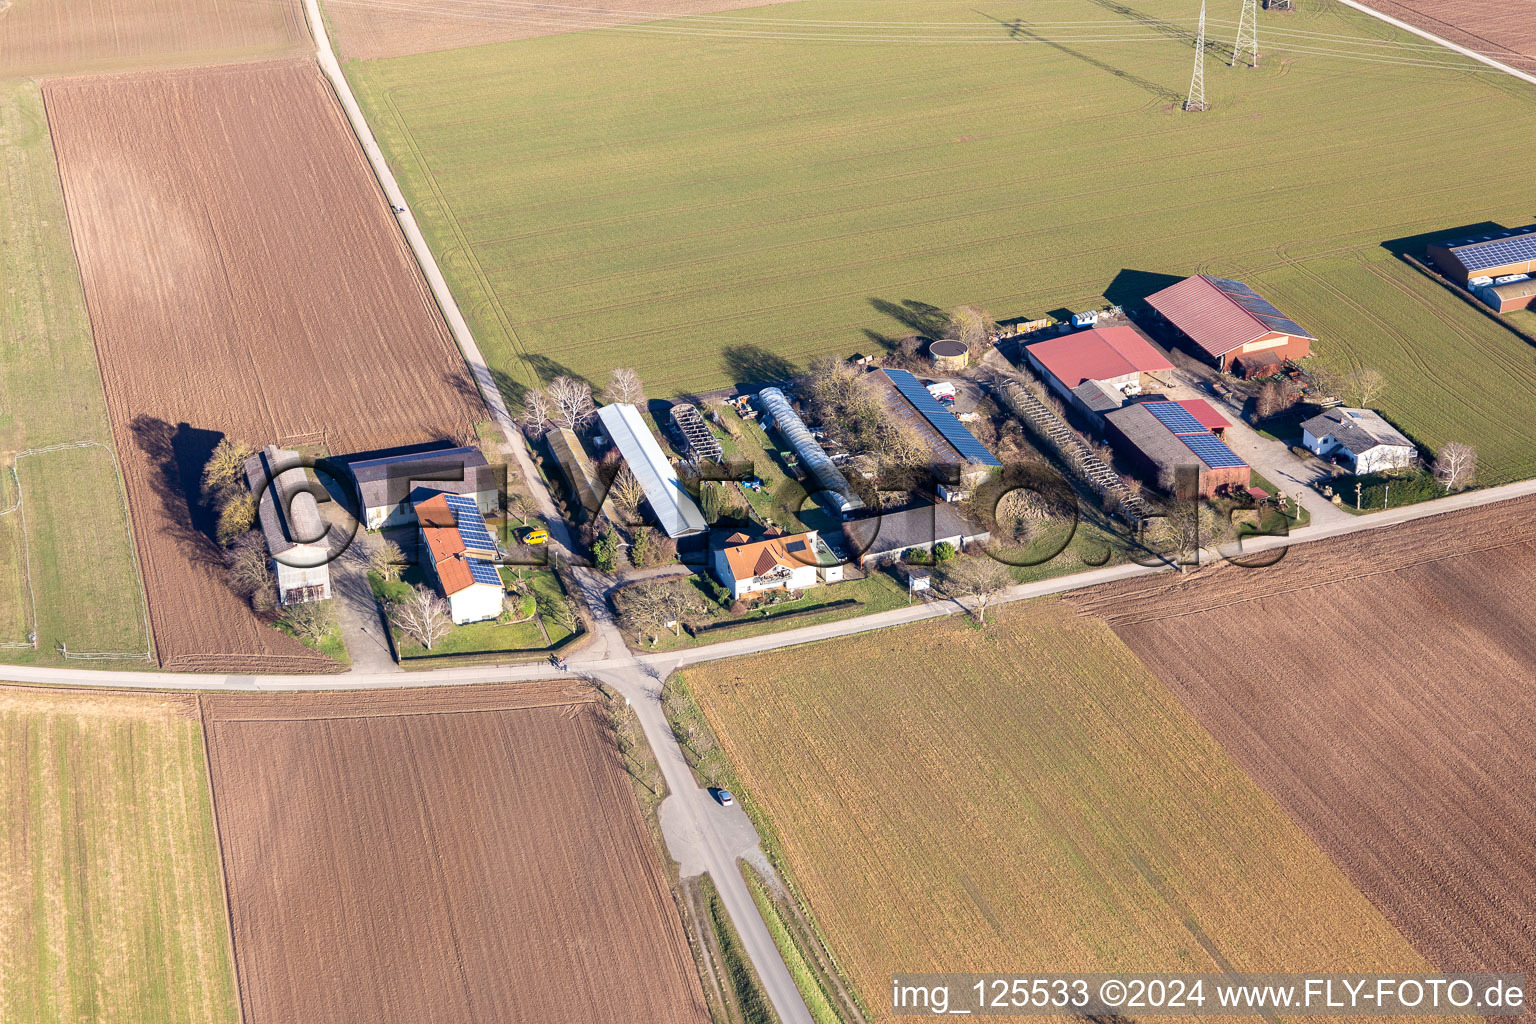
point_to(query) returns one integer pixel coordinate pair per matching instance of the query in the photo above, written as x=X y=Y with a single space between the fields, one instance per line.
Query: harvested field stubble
x=438 y=856
x=1499 y=29
x=244 y=278
x=1380 y=687
x=113 y=912
x=949 y=798
x=368 y=28
x=70 y=36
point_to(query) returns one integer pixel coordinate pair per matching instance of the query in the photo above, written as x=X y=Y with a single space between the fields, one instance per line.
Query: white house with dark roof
x=1359 y=439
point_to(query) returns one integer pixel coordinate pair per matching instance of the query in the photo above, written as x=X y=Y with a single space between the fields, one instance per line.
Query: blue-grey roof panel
x=1212 y=450
x=1499 y=252
x=1175 y=417
x=941 y=418
x=1260 y=307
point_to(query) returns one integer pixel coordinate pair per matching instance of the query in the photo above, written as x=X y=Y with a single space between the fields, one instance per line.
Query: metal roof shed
x=670 y=502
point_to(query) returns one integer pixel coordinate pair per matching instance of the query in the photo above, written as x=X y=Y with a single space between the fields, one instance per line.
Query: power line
x=1247 y=33
x=1196 y=101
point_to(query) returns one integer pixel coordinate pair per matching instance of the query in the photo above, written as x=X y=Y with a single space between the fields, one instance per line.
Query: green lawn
x=714 y=208
x=83 y=567
x=487 y=637
x=114 y=905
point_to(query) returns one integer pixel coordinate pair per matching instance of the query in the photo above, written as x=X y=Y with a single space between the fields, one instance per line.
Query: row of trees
x=567 y=401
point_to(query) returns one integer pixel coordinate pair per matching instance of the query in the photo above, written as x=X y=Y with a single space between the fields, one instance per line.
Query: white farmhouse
x=461 y=553
x=788 y=562
x=1358 y=439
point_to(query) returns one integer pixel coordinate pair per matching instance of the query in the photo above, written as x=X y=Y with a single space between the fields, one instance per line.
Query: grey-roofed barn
x=388 y=483
x=885 y=537
x=290 y=521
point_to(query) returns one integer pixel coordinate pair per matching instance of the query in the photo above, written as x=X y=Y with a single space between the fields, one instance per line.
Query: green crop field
x=717 y=200
x=948 y=798
x=82 y=565
x=114 y=908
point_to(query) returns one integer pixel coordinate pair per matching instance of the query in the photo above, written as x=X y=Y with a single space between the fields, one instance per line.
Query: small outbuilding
x=1502 y=298
x=952 y=450
x=1359 y=439
x=289 y=517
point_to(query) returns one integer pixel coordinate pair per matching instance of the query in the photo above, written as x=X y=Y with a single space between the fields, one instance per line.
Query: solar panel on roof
x=1259 y=306
x=471 y=524
x=483 y=572
x=941 y=418
x=1211 y=450
x=1497 y=253
x=1175 y=417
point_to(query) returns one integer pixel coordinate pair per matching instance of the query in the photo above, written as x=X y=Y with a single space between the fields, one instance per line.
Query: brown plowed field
x=368 y=28
x=426 y=857
x=1502 y=29
x=41 y=37
x=243 y=277
x=1383 y=688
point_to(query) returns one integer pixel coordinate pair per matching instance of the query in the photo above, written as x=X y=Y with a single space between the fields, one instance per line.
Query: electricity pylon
x=1247 y=33
x=1196 y=100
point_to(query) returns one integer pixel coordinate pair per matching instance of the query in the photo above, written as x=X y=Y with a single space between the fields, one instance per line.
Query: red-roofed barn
x=1227 y=322
x=1096 y=370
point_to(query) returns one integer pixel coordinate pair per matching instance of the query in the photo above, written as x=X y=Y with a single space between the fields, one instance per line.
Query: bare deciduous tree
x=972 y=327
x=1185 y=527
x=536 y=408
x=225 y=468
x=387 y=560
x=310 y=620
x=423 y=617
x=249 y=569
x=624 y=386
x=1363 y=386
x=1274 y=398
x=979 y=578
x=626 y=494
x=1455 y=466
x=572 y=401
x=522 y=506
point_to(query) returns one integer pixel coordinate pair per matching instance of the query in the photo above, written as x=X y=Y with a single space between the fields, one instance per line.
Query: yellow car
x=531 y=535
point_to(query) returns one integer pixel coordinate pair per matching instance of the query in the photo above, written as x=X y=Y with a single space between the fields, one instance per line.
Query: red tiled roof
x=1213 y=318
x=443 y=541
x=454 y=574
x=1100 y=354
x=1206 y=413
x=434 y=511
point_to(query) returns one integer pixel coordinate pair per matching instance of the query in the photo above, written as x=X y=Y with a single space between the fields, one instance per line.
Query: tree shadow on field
x=752 y=364
x=921 y=317
x=178 y=454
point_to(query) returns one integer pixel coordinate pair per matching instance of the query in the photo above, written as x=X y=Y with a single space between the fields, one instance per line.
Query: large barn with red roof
x=1231 y=325
x=1097 y=370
